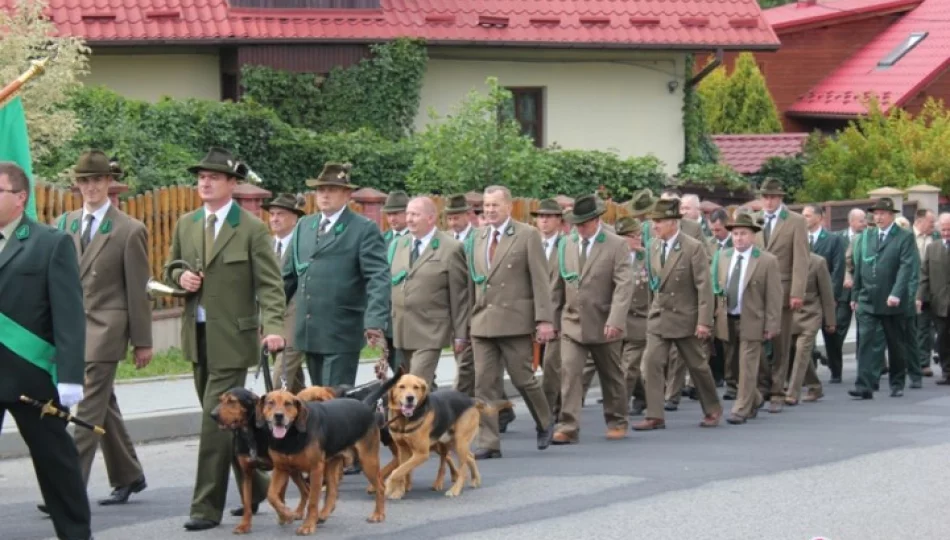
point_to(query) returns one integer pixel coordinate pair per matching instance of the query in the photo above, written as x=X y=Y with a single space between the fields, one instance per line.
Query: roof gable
x=799 y=15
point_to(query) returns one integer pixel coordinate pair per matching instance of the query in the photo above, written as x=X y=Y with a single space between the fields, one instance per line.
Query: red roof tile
x=844 y=91
x=747 y=153
x=792 y=17
x=701 y=24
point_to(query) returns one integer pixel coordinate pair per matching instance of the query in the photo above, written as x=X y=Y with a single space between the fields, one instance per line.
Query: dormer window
x=905 y=47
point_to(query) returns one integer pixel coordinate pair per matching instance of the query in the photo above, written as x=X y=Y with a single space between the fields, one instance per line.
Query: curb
x=186 y=422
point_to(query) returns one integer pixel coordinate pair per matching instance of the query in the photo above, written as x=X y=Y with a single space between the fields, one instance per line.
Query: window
x=905 y=47
x=528 y=104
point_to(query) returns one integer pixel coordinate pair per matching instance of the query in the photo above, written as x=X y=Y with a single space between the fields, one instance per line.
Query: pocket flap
x=248 y=323
x=235 y=257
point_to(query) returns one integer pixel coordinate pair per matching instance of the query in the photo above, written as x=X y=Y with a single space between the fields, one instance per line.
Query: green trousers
x=925 y=337
x=896 y=333
x=333 y=369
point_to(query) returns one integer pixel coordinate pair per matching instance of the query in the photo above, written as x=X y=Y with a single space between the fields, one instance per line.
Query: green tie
x=414 y=254
x=767 y=232
x=663 y=255
x=209 y=237
x=732 y=288
x=583 y=255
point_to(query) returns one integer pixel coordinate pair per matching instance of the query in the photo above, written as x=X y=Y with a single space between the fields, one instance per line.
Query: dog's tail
x=376 y=394
x=487 y=408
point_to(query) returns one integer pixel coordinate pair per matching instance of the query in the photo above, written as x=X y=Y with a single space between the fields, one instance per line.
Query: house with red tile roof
x=837 y=53
x=746 y=154
x=586 y=74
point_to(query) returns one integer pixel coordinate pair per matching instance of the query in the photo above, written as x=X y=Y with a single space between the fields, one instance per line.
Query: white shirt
x=813 y=236
x=491 y=233
x=745 y=265
x=333 y=218
x=549 y=244
x=668 y=245
x=770 y=223
x=399 y=234
x=220 y=216
x=425 y=241
x=884 y=232
x=590 y=243
x=284 y=243
x=461 y=236
x=97 y=217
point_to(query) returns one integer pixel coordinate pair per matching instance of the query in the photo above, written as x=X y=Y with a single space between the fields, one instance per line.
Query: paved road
x=838 y=469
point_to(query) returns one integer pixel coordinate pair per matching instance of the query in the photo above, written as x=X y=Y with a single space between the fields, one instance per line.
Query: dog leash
x=264 y=366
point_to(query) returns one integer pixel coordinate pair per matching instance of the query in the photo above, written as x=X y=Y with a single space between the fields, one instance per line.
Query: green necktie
x=583 y=255
x=732 y=288
x=87 y=234
x=209 y=237
x=767 y=231
x=663 y=255
x=414 y=254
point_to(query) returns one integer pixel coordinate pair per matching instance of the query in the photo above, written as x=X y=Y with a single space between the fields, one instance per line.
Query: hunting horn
x=157 y=288
x=37 y=68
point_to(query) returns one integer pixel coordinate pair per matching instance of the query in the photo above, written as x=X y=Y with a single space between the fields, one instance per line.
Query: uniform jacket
x=682 y=297
x=597 y=295
x=552 y=275
x=845 y=295
x=832 y=248
x=789 y=243
x=342 y=283
x=240 y=293
x=761 y=309
x=41 y=292
x=693 y=229
x=935 y=279
x=114 y=270
x=888 y=269
x=430 y=300
x=512 y=296
x=819 y=308
x=290 y=313
x=388 y=238
x=640 y=301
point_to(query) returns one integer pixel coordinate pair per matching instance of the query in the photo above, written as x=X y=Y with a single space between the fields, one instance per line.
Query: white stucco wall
x=151 y=76
x=592 y=101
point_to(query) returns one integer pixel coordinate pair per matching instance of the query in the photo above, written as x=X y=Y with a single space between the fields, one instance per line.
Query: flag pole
x=37 y=67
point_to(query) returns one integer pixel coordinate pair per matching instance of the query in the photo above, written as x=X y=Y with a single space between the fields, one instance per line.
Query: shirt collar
x=425 y=239
x=335 y=216
x=742 y=252
x=404 y=231
x=672 y=239
x=816 y=233
x=10 y=228
x=886 y=231
x=284 y=240
x=502 y=228
x=99 y=215
x=466 y=232
x=600 y=227
x=221 y=214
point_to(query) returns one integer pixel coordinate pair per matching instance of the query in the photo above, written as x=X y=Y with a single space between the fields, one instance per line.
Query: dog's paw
x=453 y=492
x=438 y=485
x=475 y=482
x=371 y=489
x=306 y=530
x=285 y=518
x=376 y=517
x=242 y=528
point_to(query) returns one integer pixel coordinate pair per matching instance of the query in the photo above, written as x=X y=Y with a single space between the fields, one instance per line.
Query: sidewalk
x=168 y=408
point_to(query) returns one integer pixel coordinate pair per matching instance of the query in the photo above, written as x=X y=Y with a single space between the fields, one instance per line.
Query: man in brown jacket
x=593 y=288
x=113 y=266
x=549 y=221
x=512 y=302
x=635 y=338
x=430 y=291
x=785 y=235
x=681 y=315
x=748 y=291
x=818 y=312
x=935 y=291
x=284 y=212
x=459 y=216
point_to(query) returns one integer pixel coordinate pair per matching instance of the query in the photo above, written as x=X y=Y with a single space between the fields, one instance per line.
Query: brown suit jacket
x=640 y=301
x=114 y=270
x=820 y=303
x=290 y=314
x=694 y=230
x=601 y=291
x=789 y=243
x=935 y=279
x=430 y=300
x=512 y=296
x=683 y=299
x=761 y=309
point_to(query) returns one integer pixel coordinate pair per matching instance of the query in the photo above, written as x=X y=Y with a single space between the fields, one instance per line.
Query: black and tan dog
x=312 y=437
x=422 y=422
x=237 y=411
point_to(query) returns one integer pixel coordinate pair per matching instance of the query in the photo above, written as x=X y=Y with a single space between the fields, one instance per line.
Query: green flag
x=15 y=144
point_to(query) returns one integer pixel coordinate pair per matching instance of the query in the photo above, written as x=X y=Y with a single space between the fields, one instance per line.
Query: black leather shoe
x=43 y=508
x=120 y=495
x=863 y=394
x=728 y=396
x=505 y=417
x=897 y=392
x=199 y=524
x=670 y=406
x=545 y=436
x=486 y=453
x=239 y=511
x=834 y=380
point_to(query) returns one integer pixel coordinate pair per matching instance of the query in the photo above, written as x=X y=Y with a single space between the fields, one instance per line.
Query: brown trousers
x=551 y=373
x=745 y=356
x=607 y=362
x=632 y=357
x=803 y=370
x=494 y=356
x=100 y=408
x=289 y=364
x=781 y=347
x=693 y=351
x=675 y=377
x=465 y=371
x=423 y=363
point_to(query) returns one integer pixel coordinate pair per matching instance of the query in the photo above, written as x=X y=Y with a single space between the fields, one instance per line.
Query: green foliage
x=740 y=103
x=895 y=149
x=713 y=175
x=474 y=148
x=766 y=4
x=381 y=93
x=579 y=172
x=789 y=170
x=699 y=146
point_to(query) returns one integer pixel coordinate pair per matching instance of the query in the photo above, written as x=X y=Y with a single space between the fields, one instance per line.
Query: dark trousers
x=942 y=325
x=333 y=369
x=396 y=358
x=896 y=333
x=834 y=344
x=56 y=463
x=925 y=337
x=717 y=361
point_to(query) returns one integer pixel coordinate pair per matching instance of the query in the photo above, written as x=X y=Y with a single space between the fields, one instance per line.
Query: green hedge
x=156 y=143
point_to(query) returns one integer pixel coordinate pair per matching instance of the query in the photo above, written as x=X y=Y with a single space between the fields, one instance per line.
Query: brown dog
x=423 y=421
x=311 y=436
x=237 y=410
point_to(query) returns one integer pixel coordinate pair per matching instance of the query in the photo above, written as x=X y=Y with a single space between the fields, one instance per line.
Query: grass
x=172 y=362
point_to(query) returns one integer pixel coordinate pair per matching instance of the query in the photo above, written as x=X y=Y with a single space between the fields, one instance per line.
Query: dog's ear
x=259 y=420
x=303 y=413
x=425 y=388
x=392 y=398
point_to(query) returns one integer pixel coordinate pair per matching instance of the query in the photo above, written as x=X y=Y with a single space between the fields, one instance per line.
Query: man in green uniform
x=338 y=270
x=236 y=298
x=886 y=274
x=42 y=339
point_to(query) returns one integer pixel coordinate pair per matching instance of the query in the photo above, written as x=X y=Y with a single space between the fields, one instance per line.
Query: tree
x=895 y=149
x=741 y=102
x=27 y=34
x=479 y=145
